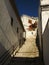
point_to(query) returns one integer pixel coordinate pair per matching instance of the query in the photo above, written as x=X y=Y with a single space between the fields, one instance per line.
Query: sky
x=27 y=7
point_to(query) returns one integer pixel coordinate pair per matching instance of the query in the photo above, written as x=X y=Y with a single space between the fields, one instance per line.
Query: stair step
x=25 y=61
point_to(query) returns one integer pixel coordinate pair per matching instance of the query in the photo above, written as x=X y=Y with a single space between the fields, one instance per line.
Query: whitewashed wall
x=45 y=33
x=45 y=16
x=8 y=34
x=44 y=2
x=16 y=21
x=25 y=20
x=44 y=28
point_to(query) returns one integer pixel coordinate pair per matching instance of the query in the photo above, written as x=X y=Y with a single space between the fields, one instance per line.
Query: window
x=11 y=21
x=30 y=21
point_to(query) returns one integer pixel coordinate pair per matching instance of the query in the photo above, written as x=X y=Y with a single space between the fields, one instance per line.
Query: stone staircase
x=28 y=54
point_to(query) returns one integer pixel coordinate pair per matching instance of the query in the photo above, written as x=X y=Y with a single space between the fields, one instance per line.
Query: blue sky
x=28 y=7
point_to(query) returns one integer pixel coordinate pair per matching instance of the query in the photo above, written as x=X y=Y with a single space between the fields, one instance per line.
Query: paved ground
x=29 y=49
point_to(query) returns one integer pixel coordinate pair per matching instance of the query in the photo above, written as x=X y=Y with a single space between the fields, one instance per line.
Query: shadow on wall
x=37 y=41
x=46 y=44
x=4 y=55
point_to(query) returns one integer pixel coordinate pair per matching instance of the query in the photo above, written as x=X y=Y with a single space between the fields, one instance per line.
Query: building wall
x=9 y=35
x=16 y=22
x=44 y=29
x=43 y=2
x=25 y=21
x=45 y=16
x=46 y=44
x=45 y=33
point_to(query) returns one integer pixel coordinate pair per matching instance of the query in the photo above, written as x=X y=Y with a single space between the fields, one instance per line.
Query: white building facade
x=43 y=29
x=27 y=21
x=11 y=30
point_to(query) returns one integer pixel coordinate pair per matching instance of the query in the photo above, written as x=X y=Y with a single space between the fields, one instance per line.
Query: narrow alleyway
x=28 y=54
x=29 y=49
